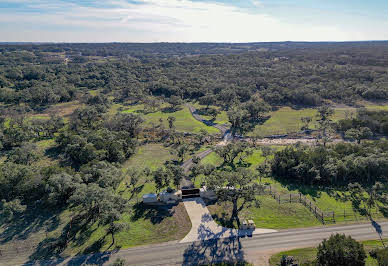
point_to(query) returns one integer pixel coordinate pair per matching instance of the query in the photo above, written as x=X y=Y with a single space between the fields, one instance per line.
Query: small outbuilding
x=150 y=198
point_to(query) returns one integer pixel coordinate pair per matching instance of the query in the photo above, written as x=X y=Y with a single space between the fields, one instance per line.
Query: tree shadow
x=210 y=252
x=49 y=248
x=78 y=230
x=156 y=214
x=169 y=110
x=53 y=152
x=34 y=219
x=223 y=220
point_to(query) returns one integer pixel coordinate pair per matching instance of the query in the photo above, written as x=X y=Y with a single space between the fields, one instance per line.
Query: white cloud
x=257 y=3
x=164 y=20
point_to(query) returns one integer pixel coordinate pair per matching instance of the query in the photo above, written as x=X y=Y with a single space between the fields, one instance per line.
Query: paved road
x=220 y=127
x=248 y=248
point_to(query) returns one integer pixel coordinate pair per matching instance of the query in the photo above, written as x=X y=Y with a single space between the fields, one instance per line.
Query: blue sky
x=193 y=20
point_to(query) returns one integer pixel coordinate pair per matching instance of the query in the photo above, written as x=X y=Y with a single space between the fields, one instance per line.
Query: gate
x=190 y=193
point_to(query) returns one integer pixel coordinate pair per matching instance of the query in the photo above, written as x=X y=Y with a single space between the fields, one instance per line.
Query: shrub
x=340 y=250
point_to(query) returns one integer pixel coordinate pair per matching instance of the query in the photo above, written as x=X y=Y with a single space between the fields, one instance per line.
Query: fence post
x=300 y=197
x=290 y=198
x=333 y=217
x=279 y=199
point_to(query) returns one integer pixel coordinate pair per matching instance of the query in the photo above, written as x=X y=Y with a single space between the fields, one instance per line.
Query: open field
x=287 y=120
x=269 y=215
x=307 y=255
x=61 y=109
x=184 y=120
x=222 y=117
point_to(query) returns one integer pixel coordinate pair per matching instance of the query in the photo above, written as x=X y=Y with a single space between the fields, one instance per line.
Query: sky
x=192 y=20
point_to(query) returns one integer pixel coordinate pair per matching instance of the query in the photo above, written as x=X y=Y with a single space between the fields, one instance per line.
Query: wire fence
x=324 y=216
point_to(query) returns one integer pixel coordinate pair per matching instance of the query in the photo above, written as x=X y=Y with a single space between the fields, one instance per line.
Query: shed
x=150 y=198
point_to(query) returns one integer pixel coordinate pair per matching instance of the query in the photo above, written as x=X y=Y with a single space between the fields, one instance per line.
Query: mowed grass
x=287 y=120
x=305 y=256
x=270 y=214
x=151 y=156
x=184 y=121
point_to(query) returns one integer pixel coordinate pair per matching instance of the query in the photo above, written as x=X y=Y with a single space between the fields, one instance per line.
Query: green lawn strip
x=308 y=255
x=328 y=201
x=376 y=107
x=270 y=214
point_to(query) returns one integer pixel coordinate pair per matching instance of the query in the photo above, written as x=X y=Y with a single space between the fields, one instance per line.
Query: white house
x=150 y=198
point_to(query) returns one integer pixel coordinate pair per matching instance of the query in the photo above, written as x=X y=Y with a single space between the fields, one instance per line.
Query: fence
x=325 y=217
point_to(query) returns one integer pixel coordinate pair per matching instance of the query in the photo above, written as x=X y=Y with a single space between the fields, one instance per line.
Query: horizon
x=232 y=43
x=192 y=21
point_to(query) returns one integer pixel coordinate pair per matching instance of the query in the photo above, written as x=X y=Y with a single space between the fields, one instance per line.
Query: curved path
x=203 y=227
x=186 y=183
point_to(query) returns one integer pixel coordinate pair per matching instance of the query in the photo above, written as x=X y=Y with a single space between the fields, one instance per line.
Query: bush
x=340 y=250
x=381 y=255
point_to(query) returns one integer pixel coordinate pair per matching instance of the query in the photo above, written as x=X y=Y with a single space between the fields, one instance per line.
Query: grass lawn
x=184 y=120
x=222 y=117
x=288 y=120
x=308 y=255
x=270 y=214
x=377 y=107
x=146 y=225
x=151 y=156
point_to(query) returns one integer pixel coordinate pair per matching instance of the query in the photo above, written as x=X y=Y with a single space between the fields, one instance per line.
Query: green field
x=184 y=120
x=308 y=255
x=222 y=117
x=270 y=214
x=288 y=120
